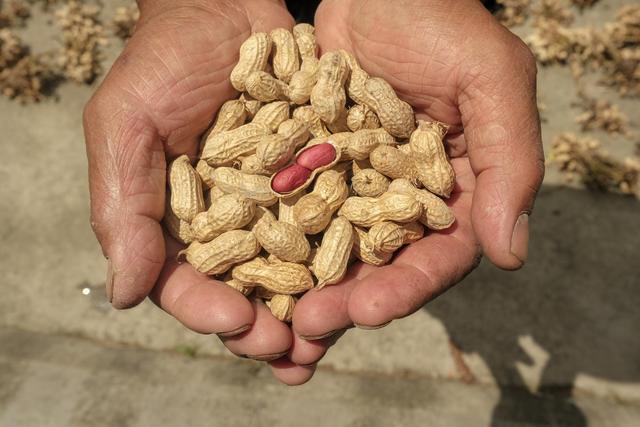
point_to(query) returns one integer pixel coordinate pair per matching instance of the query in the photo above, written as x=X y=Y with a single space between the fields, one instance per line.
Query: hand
x=453 y=63
x=157 y=100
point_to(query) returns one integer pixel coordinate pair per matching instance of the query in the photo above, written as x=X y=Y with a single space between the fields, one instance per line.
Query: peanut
x=431 y=162
x=254 y=187
x=187 y=198
x=272 y=115
x=357 y=79
x=285 y=209
x=392 y=162
x=264 y=294
x=260 y=231
x=283 y=240
x=363 y=249
x=436 y=215
x=251 y=105
x=282 y=306
x=306 y=40
x=308 y=163
x=232 y=114
x=225 y=147
x=254 y=55
x=366 y=211
x=243 y=288
x=308 y=115
x=361 y=143
x=220 y=254
x=253 y=166
x=361 y=117
x=288 y=180
x=202 y=230
x=212 y=195
x=396 y=116
x=388 y=236
x=285 y=54
x=230 y=212
x=205 y=171
x=331 y=259
x=328 y=97
x=303 y=81
x=177 y=228
x=340 y=124
x=339 y=140
x=282 y=278
x=264 y=87
x=312 y=213
x=274 y=151
x=317 y=156
x=369 y=183
x=358 y=166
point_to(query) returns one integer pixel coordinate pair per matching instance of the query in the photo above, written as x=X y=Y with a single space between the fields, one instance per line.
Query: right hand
x=158 y=99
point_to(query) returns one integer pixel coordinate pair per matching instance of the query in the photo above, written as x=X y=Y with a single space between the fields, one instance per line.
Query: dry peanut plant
x=29 y=77
x=82 y=37
x=600 y=114
x=13 y=13
x=614 y=49
x=23 y=76
x=314 y=166
x=583 y=160
x=124 y=21
x=512 y=12
x=545 y=11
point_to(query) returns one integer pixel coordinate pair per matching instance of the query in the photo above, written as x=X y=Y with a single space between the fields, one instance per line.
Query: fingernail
x=520 y=238
x=318 y=337
x=234 y=332
x=109 y=281
x=370 y=328
x=268 y=357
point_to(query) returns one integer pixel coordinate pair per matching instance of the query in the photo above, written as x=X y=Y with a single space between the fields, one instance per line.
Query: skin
x=451 y=60
x=453 y=63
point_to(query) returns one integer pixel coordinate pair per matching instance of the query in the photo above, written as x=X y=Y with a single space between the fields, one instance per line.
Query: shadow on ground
x=577 y=299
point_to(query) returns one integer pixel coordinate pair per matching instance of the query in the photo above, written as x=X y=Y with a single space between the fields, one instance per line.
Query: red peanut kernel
x=290 y=178
x=317 y=156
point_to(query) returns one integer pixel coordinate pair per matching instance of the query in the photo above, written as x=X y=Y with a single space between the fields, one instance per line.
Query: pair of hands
x=450 y=60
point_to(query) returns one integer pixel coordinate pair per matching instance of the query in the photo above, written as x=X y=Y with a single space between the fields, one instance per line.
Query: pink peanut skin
x=317 y=156
x=290 y=178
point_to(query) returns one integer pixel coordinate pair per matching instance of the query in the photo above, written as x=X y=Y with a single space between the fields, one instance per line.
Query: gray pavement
x=553 y=344
x=108 y=385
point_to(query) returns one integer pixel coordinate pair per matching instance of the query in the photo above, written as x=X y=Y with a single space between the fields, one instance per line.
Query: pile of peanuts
x=315 y=165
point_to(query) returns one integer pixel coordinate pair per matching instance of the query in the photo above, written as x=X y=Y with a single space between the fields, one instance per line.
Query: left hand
x=453 y=62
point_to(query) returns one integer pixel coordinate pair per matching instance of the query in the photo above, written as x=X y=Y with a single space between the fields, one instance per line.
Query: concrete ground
x=553 y=344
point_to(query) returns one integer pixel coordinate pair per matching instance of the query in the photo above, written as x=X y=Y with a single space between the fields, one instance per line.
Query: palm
x=453 y=63
x=384 y=49
x=160 y=96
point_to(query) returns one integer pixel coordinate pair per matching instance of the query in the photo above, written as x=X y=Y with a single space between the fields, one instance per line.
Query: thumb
x=127 y=186
x=502 y=131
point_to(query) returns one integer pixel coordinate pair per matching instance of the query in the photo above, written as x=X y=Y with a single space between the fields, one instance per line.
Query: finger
x=268 y=339
x=320 y=313
x=267 y=16
x=290 y=373
x=502 y=131
x=308 y=352
x=423 y=269
x=126 y=178
x=200 y=303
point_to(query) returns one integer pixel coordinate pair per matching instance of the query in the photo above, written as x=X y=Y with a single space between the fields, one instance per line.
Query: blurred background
x=556 y=343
